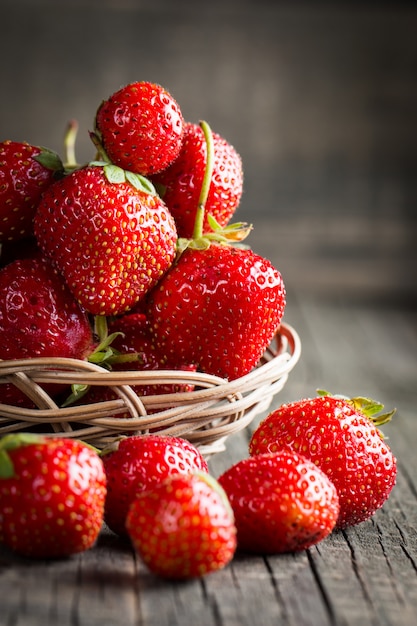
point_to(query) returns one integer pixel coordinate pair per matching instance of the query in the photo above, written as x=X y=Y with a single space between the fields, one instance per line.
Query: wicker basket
x=205 y=416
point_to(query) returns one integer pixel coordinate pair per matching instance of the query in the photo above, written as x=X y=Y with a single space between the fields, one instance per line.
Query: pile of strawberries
x=131 y=261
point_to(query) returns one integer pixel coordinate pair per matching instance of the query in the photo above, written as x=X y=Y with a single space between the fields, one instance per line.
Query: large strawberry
x=39 y=317
x=52 y=494
x=180 y=184
x=341 y=437
x=282 y=502
x=218 y=308
x=109 y=235
x=183 y=527
x=137 y=463
x=25 y=172
x=140 y=127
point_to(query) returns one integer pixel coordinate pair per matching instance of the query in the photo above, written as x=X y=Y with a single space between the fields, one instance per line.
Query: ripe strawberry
x=112 y=241
x=180 y=184
x=218 y=308
x=282 y=502
x=25 y=172
x=183 y=527
x=137 y=463
x=52 y=493
x=140 y=128
x=38 y=317
x=135 y=338
x=341 y=438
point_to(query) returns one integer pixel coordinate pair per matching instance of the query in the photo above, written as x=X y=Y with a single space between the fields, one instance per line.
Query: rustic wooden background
x=319 y=98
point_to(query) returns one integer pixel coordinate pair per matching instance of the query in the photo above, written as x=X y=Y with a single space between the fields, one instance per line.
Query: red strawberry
x=183 y=527
x=282 y=502
x=137 y=463
x=52 y=493
x=218 y=308
x=339 y=437
x=135 y=338
x=140 y=128
x=25 y=172
x=111 y=241
x=181 y=183
x=38 y=317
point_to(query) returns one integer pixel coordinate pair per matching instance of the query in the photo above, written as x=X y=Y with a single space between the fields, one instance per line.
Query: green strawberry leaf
x=77 y=392
x=49 y=159
x=114 y=174
x=140 y=183
x=6 y=465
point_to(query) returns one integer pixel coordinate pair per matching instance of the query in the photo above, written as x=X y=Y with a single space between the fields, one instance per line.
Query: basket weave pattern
x=205 y=416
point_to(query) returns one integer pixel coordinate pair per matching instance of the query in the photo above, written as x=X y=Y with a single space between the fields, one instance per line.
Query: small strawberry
x=108 y=233
x=183 y=527
x=25 y=172
x=39 y=317
x=180 y=184
x=140 y=128
x=137 y=463
x=52 y=493
x=218 y=308
x=341 y=437
x=282 y=502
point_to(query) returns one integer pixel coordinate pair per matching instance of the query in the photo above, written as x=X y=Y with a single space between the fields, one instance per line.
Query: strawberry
x=25 y=172
x=140 y=128
x=183 y=527
x=180 y=184
x=282 y=502
x=108 y=233
x=341 y=437
x=39 y=317
x=52 y=493
x=218 y=308
x=137 y=463
x=134 y=337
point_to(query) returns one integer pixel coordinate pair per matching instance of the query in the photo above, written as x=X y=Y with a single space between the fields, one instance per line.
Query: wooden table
x=364 y=576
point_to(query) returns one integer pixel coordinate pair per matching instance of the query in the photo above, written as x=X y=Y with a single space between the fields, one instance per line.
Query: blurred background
x=320 y=99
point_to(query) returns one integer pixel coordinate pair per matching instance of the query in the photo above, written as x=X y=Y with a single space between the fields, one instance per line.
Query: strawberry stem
x=205 y=187
x=69 y=145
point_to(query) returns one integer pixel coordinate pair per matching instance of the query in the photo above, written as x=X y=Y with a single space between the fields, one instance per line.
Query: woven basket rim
x=206 y=415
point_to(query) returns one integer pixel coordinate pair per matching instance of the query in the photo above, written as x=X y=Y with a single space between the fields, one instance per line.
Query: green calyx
x=50 y=159
x=370 y=408
x=230 y=234
x=117 y=175
x=104 y=355
x=12 y=442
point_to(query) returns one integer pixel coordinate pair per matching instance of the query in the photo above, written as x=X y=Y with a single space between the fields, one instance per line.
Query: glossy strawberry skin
x=218 y=308
x=52 y=506
x=180 y=184
x=141 y=128
x=140 y=462
x=110 y=241
x=340 y=440
x=39 y=317
x=22 y=182
x=183 y=528
x=282 y=503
